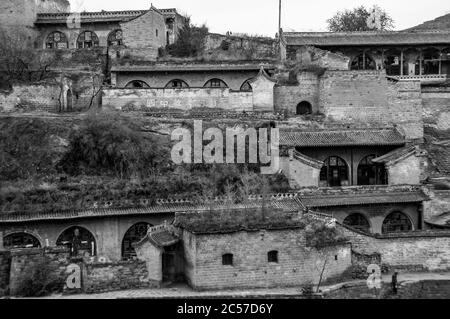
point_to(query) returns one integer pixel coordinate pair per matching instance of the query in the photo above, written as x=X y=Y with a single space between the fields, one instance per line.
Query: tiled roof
x=98 y=17
x=442 y=220
x=396 y=155
x=366 y=38
x=363 y=137
x=317 y=201
x=192 y=67
x=440 y=156
x=236 y=221
x=287 y=202
x=162 y=238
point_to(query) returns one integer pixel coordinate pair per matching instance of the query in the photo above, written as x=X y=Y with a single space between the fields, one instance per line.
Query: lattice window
x=137 y=84
x=358 y=221
x=56 y=40
x=134 y=235
x=216 y=83
x=334 y=171
x=246 y=86
x=80 y=241
x=87 y=39
x=20 y=240
x=397 y=222
x=177 y=84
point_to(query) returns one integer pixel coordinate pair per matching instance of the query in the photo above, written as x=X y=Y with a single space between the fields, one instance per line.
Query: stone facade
x=426 y=251
x=297 y=264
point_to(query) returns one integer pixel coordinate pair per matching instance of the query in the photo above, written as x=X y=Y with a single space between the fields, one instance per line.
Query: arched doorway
x=370 y=173
x=80 y=241
x=334 y=172
x=20 y=240
x=396 y=222
x=304 y=108
x=134 y=235
x=358 y=221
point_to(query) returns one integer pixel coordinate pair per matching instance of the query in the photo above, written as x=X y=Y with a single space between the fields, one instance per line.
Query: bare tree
x=19 y=61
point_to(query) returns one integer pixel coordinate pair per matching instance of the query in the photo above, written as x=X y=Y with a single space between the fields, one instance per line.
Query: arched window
x=370 y=173
x=304 y=108
x=358 y=221
x=363 y=62
x=115 y=38
x=80 y=241
x=396 y=222
x=20 y=240
x=215 y=83
x=87 y=39
x=137 y=84
x=134 y=235
x=246 y=86
x=176 y=84
x=56 y=40
x=227 y=260
x=334 y=172
x=272 y=256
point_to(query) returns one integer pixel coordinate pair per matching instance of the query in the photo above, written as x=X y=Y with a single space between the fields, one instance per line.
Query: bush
x=40 y=280
x=190 y=41
x=111 y=144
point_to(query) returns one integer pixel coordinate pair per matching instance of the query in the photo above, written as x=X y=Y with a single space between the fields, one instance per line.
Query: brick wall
x=153 y=258
x=405 y=172
x=147 y=30
x=439 y=203
x=99 y=277
x=429 y=289
x=184 y=99
x=418 y=250
x=297 y=263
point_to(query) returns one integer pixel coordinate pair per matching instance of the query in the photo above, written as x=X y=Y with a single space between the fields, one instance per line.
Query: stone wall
x=31 y=97
x=297 y=264
x=426 y=251
x=183 y=99
x=24 y=261
x=101 y=277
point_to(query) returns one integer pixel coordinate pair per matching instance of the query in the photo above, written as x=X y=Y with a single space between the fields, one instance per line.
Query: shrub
x=111 y=144
x=190 y=41
x=40 y=280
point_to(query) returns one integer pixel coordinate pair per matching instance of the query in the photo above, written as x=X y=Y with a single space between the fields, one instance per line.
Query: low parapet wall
x=421 y=250
x=181 y=99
